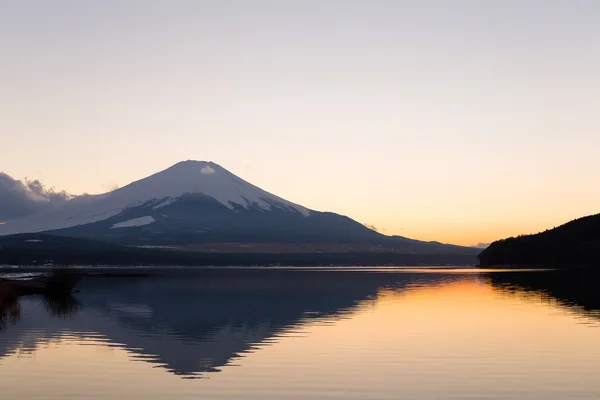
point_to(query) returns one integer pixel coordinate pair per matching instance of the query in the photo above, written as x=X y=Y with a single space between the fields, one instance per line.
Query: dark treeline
x=42 y=249
x=576 y=243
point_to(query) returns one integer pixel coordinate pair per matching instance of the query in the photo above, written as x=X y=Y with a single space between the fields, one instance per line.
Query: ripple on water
x=311 y=334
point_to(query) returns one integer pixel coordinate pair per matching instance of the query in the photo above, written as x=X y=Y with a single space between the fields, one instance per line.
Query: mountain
x=576 y=243
x=200 y=206
x=191 y=202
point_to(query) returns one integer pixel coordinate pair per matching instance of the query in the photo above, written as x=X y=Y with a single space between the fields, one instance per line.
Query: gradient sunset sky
x=458 y=121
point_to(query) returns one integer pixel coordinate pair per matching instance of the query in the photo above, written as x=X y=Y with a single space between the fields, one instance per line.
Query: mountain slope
x=572 y=244
x=159 y=190
x=191 y=202
x=196 y=203
x=196 y=219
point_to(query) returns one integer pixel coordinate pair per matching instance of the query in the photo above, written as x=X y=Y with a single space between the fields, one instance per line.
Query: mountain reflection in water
x=191 y=322
x=197 y=321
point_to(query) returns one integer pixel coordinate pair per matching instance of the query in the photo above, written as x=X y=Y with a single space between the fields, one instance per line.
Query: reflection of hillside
x=194 y=322
x=576 y=290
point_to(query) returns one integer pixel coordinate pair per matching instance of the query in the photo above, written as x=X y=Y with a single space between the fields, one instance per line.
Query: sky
x=458 y=121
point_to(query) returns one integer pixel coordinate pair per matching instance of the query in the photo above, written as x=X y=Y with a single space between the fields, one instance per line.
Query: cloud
x=207 y=170
x=372 y=227
x=22 y=198
x=110 y=186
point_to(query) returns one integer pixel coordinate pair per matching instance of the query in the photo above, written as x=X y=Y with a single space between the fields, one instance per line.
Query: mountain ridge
x=199 y=203
x=186 y=177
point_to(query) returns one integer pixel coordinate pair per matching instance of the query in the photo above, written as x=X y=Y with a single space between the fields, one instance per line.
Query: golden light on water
x=463 y=333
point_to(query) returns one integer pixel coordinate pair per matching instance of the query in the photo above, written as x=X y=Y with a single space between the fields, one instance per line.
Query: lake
x=367 y=333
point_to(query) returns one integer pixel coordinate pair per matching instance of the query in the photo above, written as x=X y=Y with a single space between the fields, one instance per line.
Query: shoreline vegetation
x=57 y=281
x=572 y=245
x=41 y=249
x=56 y=287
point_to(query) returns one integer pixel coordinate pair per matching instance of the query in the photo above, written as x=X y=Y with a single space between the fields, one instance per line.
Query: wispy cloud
x=372 y=227
x=21 y=198
x=110 y=186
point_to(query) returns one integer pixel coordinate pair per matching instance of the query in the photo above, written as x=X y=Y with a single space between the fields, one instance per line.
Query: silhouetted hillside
x=37 y=249
x=576 y=243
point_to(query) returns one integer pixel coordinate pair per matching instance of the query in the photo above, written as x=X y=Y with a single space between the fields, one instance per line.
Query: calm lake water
x=290 y=334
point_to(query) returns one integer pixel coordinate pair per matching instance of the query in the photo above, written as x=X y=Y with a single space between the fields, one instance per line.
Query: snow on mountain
x=188 y=177
x=141 y=221
x=206 y=178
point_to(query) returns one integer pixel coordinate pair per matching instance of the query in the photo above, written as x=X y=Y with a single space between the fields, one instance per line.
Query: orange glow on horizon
x=472 y=233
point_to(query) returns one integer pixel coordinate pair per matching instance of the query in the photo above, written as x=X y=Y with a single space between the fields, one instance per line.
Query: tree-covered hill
x=576 y=243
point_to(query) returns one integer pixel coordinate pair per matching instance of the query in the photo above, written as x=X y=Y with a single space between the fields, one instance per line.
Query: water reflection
x=575 y=291
x=196 y=322
x=60 y=306
x=57 y=306
x=10 y=312
x=191 y=323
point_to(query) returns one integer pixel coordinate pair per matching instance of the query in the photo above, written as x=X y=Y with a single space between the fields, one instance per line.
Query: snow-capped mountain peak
x=202 y=177
x=185 y=178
